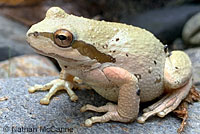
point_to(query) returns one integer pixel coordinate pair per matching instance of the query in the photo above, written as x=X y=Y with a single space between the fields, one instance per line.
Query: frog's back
x=108 y=36
x=133 y=49
x=142 y=54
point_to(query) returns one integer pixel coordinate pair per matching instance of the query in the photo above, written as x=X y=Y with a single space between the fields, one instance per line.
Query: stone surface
x=22 y=111
x=191 y=31
x=178 y=44
x=166 y=23
x=27 y=65
x=12 y=39
x=194 y=54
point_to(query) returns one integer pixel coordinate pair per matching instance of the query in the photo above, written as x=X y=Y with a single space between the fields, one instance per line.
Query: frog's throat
x=85 y=49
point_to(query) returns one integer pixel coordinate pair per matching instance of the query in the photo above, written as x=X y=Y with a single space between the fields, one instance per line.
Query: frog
x=126 y=65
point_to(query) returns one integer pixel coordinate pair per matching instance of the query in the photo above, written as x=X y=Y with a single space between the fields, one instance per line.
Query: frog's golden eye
x=63 y=38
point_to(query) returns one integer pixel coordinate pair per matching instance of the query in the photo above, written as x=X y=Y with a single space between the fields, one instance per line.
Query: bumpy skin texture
x=142 y=48
x=122 y=63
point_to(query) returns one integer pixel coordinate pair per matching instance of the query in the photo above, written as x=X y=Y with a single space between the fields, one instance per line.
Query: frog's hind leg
x=177 y=83
x=167 y=104
x=128 y=100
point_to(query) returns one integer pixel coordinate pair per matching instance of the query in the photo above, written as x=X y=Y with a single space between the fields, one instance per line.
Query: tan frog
x=122 y=63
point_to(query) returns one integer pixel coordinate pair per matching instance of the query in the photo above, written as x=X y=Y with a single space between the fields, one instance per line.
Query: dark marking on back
x=149 y=71
x=138 y=92
x=126 y=55
x=155 y=62
x=158 y=80
x=105 y=46
x=91 y=52
x=138 y=76
x=117 y=39
x=176 y=67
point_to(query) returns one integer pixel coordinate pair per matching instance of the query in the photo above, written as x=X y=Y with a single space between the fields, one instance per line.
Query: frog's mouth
x=53 y=55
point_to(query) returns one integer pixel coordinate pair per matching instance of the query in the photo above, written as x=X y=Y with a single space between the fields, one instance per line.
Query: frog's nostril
x=29 y=34
x=36 y=34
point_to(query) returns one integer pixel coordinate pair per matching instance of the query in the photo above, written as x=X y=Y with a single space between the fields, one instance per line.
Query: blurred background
x=174 y=22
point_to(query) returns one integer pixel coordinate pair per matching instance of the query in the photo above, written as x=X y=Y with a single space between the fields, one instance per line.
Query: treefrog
x=124 y=64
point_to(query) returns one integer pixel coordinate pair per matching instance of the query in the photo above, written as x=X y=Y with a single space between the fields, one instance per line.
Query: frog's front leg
x=64 y=82
x=128 y=100
x=177 y=84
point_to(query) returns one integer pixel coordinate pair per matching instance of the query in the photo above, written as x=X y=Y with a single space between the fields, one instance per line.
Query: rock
x=194 y=54
x=27 y=65
x=191 y=31
x=178 y=44
x=165 y=23
x=12 y=39
x=22 y=111
x=19 y=2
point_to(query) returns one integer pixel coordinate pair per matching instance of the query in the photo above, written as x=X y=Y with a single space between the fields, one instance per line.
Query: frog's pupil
x=61 y=37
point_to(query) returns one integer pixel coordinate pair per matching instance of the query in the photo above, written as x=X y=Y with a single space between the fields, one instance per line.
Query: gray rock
x=165 y=23
x=27 y=65
x=22 y=110
x=178 y=44
x=191 y=31
x=194 y=54
x=12 y=39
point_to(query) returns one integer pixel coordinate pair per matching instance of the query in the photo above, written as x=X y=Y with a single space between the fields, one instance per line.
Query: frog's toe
x=31 y=89
x=108 y=107
x=146 y=110
x=141 y=119
x=74 y=97
x=77 y=80
x=40 y=87
x=88 y=123
x=167 y=104
x=152 y=107
x=44 y=101
x=110 y=115
x=162 y=114
x=83 y=108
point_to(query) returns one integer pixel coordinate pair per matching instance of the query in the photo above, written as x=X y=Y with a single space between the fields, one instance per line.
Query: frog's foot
x=78 y=84
x=112 y=114
x=167 y=104
x=53 y=87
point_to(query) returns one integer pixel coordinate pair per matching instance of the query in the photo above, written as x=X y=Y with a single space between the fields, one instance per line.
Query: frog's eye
x=63 y=38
